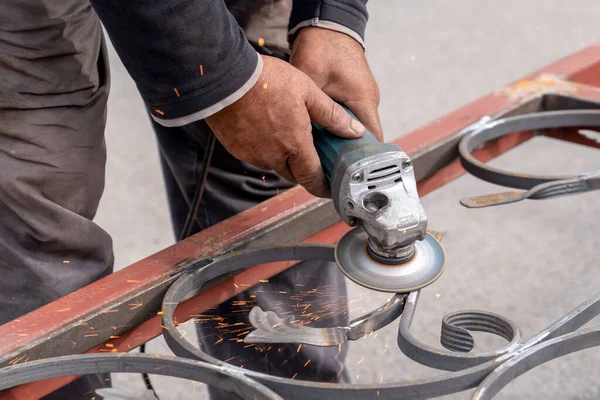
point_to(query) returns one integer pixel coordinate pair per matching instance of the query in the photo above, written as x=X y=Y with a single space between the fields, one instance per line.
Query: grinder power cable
x=374 y=190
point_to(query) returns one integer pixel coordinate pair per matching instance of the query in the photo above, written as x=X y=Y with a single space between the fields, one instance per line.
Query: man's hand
x=337 y=64
x=269 y=127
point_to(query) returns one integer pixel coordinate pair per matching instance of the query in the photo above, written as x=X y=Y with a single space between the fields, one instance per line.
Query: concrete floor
x=532 y=261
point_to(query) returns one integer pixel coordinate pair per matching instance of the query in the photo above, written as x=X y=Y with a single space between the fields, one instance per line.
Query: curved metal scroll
x=469 y=369
x=538 y=187
x=489 y=371
x=456 y=337
x=224 y=378
x=514 y=359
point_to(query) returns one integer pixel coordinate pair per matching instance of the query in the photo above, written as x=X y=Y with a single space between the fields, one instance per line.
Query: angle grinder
x=374 y=190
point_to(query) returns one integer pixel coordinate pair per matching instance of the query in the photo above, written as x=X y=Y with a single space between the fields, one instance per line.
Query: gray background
x=531 y=261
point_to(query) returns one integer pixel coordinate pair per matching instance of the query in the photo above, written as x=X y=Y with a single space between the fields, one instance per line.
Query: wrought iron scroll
x=488 y=371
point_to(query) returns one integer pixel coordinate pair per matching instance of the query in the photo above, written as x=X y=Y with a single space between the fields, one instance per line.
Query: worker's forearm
x=189 y=58
x=347 y=16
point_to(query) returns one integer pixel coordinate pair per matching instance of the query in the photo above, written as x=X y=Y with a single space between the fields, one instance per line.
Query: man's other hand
x=269 y=127
x=337 y=64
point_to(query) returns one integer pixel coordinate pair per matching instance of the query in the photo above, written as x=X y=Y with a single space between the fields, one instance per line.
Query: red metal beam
x=581 y=67
x=571 y=135
x=106 y=291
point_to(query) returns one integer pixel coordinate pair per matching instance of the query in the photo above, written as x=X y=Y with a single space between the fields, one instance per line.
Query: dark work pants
x=54 y=84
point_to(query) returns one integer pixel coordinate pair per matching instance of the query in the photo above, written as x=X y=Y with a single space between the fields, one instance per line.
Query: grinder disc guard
x=423 y=269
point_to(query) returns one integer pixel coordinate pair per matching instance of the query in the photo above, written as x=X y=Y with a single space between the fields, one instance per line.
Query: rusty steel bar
x=125 y=299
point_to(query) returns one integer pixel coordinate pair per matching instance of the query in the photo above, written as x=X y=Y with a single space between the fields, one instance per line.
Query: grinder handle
x=332 y=148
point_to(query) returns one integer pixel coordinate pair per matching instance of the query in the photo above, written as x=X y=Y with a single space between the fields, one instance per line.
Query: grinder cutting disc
x=423 y=269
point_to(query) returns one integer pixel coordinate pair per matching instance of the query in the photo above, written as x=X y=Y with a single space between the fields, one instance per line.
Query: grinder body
x=374 y=189
x=373 y=185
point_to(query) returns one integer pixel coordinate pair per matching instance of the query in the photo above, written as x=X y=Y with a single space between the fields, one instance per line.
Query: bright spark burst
x=304 y=303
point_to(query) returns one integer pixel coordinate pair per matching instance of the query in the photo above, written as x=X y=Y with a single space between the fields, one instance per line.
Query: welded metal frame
x=124 y=305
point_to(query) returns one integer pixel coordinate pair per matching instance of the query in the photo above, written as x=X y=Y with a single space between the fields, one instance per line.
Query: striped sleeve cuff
x=346 y=16
x=334 y=26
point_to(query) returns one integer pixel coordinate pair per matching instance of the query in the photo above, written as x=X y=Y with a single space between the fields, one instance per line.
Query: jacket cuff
x=234 y=84
x=333 y=26
x=330 y=14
